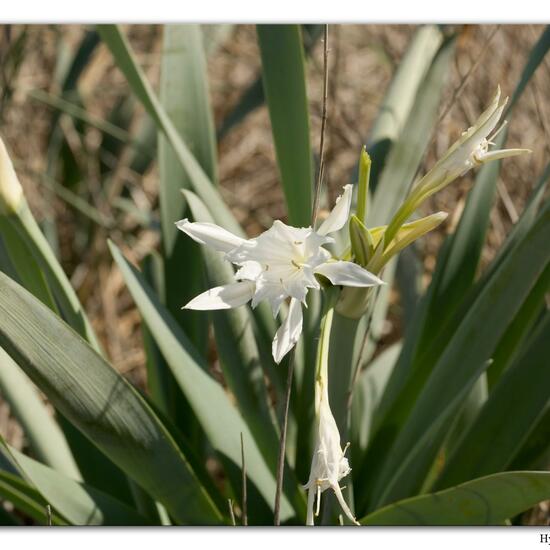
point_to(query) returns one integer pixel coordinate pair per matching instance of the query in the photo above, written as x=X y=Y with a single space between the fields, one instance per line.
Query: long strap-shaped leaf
x=485 y=501
x=117 y=43
x=102 y=404
x=283 y=71
x=223 y=424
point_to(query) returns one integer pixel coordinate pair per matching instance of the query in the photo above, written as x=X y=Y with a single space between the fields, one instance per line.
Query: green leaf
x=254 y=97
x=517 y=401
x=222 y=424
x=44 y=435
x=198 y=179
x=185 y=97
x=283 y=70
x=26 y=498
x=366 y=397
x=78 y=503
x=470 y=346
x=486 y=501
x=100 y=403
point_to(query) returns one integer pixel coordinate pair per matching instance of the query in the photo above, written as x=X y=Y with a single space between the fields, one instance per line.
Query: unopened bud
x=11 y=193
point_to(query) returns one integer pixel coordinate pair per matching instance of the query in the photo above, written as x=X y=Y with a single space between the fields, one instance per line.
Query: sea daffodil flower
x=280 y=263
x=329 y=464
x=470 y=150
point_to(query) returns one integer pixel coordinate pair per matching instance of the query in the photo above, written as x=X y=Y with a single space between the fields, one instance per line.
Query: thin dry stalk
x=282 y=441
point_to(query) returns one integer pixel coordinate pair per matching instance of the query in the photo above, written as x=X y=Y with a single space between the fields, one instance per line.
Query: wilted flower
x=329 y=465
x=11 y=192
x=280 y=263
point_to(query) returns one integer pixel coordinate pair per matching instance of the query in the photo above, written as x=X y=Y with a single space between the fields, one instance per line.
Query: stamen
x=499 y=129
x=295 y=264
x=346 y=448
x=298 y=242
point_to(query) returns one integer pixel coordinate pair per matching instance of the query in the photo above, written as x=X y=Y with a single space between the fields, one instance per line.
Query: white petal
x=210 y=234
x=343 y=504
x=502 y=154
x=223 y=297
x=348 y=274
x=289 y=332
x=340 y=213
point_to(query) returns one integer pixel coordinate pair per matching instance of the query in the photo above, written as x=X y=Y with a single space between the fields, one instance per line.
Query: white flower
x=280 y=263
x=329 y=465
x=472 y=149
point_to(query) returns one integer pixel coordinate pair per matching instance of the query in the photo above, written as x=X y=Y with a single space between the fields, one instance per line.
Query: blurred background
x=85 y=150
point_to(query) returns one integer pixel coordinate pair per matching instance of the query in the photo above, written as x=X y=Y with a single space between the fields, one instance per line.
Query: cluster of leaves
x=447 y=427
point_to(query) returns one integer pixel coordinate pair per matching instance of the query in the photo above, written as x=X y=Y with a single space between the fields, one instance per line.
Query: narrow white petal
x=223 y=297
x=289 y=332
x=343 y=504
x=502 y=154
x=210 y=234
x=348 y=274
x=340 y=213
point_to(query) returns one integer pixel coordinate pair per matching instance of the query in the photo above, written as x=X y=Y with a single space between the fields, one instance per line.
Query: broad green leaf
x=100 y=403
x=470 y=346
x=78 y=503
x=515 y=404
x=201 y=184
x=222 y=424
x=486 y=501
x=44 y=435
x=283 y=71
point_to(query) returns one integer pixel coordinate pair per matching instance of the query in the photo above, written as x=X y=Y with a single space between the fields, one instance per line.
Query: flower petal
x=223 y=297
x=340 y=213
x=211 y=235
x=289 y=332
x=348 y=274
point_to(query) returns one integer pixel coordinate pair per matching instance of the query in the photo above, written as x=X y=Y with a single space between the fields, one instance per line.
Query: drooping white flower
x=280 y=263
x=329 y=464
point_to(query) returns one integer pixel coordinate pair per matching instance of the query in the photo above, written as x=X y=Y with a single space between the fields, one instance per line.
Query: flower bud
x=11 y=192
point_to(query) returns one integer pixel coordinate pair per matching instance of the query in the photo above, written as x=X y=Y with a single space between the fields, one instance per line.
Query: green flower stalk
x=329 y=464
